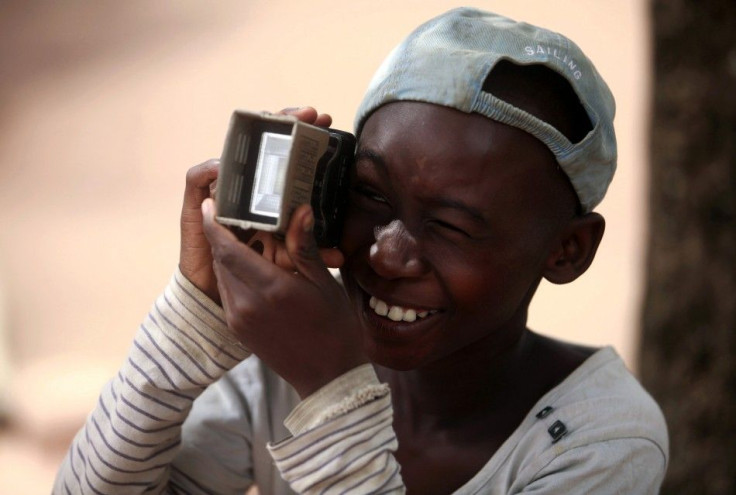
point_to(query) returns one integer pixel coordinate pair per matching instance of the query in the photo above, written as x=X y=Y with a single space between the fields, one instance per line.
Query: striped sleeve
x=133 y=434
x=343 y=439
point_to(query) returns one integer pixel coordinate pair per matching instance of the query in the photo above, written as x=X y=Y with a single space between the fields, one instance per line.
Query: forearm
x=343 y=439
x=132 y=436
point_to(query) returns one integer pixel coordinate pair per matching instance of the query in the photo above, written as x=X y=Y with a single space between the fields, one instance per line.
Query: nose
x=396 y=253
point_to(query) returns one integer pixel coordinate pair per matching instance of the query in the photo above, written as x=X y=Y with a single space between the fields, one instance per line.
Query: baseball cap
x=446 y=61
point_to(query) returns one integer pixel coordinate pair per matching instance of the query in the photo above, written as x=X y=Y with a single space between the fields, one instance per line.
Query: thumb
x=302 y=247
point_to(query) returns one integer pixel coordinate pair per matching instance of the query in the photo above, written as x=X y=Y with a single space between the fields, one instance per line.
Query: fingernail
x=206 y=207
x=257 y=246
x=308 y=221
x=293 y=109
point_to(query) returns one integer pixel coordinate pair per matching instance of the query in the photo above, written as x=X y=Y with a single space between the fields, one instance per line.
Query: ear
x=575 y=248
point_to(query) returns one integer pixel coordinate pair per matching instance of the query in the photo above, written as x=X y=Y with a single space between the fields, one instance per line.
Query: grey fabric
x=446 y=61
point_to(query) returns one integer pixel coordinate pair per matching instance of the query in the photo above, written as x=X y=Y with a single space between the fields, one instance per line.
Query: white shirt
x=596 y=432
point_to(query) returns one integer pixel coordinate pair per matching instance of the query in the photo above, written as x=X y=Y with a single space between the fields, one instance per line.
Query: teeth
x=381 y=308
x=397 y=313
x=410 y=315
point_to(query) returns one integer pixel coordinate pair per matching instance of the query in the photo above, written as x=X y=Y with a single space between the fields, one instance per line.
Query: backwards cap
x=446 y=61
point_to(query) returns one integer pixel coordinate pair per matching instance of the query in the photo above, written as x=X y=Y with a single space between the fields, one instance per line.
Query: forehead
x=440 y=150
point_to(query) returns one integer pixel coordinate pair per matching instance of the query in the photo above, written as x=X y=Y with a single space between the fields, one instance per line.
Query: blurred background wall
x=103 y=107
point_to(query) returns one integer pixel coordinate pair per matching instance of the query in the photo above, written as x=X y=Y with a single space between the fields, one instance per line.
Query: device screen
x=270 y=176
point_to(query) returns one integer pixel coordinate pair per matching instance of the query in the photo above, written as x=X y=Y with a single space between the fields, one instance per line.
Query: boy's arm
x=314 y=337
x=343 y=439
x=131 y=437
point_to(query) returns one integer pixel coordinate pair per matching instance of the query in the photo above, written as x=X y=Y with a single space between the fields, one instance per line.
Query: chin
x=395 y=358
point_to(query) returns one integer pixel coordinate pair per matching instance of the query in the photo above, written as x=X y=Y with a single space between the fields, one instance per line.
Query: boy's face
x=450 y=214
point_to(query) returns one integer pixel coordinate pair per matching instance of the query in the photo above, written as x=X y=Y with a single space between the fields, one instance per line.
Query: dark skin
x=477 y=264
x=471 y=215
x=440 y=450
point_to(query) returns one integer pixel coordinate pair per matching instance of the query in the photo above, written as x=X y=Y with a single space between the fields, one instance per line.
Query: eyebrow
x=369 y=154
x=456 y=204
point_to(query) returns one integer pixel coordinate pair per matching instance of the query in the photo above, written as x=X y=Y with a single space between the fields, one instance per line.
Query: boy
x=484 y=145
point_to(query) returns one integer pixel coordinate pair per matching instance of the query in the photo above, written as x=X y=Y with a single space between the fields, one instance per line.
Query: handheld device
x=271 y=164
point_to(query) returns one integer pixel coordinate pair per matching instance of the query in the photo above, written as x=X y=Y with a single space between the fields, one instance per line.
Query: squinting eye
x=369 y=194
x=449 y=226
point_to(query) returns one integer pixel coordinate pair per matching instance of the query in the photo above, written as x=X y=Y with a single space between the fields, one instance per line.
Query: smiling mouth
x=398 y=313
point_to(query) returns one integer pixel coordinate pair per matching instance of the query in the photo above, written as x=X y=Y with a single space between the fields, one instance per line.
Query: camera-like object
x=273 y=163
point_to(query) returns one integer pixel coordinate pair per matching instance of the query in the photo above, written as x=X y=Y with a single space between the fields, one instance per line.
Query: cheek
x=490 y=288
x=357 y=232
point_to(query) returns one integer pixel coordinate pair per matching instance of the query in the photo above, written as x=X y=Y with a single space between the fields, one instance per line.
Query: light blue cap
x=446 y=61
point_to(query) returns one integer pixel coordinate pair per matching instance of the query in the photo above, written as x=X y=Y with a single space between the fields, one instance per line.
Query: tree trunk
x=688 y=347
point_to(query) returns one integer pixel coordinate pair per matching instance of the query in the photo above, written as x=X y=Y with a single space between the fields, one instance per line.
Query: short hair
x=543 y=93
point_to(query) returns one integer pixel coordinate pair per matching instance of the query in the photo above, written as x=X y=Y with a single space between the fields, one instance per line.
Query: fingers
x=200 y=183
x=231 y=254
x=218 y=235
x=263 y=243
x=274 y=250
x=195 y=254
x=305 y=114
x=309 y=115
x=332 y=257
x=323 y=120
x=302 y=247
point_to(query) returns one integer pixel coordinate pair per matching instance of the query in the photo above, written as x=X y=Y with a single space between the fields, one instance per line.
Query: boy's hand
x=309 y=115
x=195 y=255
x=299 y=322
